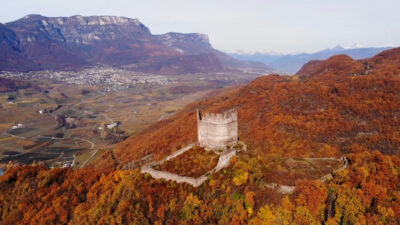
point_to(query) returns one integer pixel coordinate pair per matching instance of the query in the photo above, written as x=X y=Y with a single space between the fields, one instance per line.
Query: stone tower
x=217 y=130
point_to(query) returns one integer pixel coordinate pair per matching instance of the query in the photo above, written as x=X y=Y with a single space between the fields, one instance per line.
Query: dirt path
x=90 y=158
x=12 y=135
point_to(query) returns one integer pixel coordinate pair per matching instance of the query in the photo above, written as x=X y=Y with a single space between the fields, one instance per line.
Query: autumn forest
x=334 y=109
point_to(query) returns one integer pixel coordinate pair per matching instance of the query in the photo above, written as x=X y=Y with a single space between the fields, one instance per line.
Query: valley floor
x=30 y=133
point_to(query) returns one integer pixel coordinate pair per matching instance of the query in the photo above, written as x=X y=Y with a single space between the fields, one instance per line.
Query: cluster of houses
x=17 y=125
x=108 y=77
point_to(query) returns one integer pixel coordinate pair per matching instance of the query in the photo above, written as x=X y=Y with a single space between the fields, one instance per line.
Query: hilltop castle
x=217 y=130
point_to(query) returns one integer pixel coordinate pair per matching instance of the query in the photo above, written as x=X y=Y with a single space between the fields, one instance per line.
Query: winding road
x=90 y=158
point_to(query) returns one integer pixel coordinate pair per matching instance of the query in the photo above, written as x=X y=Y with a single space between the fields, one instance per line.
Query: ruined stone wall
x=224 y=161
x=195 y=182
x=217 y=130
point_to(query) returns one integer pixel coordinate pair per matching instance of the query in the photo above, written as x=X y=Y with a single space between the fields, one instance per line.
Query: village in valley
x=112 y=78
x=109 y=78
x=65 y=118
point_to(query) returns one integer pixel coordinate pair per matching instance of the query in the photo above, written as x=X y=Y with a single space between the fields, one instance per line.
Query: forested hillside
x=326 y=110
x=333 y=108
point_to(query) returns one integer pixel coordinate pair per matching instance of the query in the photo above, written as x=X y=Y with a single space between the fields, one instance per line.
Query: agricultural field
x=68 y=125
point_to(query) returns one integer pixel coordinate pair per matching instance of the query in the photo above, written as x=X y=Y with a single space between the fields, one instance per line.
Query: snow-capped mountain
x=291 y=63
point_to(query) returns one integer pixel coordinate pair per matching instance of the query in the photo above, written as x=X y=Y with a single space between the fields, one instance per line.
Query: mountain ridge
x=36 y=42
x=292 y=63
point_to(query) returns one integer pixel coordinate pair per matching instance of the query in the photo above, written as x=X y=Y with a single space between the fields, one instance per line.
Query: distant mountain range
x=291 y=63
x=35 y=42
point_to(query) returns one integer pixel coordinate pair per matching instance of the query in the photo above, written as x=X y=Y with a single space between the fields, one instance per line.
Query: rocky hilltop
x=35 y=42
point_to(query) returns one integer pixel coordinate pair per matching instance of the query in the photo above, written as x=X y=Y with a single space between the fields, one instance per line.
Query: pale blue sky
x=252 y=25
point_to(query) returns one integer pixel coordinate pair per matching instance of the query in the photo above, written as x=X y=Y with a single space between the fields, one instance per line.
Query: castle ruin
x=217 y=130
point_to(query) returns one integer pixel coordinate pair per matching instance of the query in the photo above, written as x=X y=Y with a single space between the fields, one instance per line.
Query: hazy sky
x=251 y=25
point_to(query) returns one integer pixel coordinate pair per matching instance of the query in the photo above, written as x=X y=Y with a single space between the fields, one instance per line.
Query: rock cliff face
x=36 y=42
x=11 y=53
x=78 y=29
x=193 y=43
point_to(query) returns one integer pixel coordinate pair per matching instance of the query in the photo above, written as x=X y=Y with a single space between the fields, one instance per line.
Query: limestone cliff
x=37 y=42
